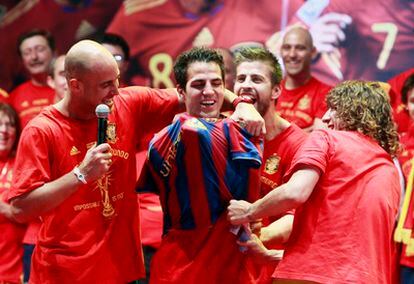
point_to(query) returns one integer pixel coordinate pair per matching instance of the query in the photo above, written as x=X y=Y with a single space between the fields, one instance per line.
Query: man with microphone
x=85 y=192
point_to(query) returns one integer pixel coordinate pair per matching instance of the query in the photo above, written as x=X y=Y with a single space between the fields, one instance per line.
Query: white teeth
x=207 y=103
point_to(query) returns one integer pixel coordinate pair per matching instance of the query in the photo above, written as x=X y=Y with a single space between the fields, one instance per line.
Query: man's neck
x=70 y=108
x=293 y=82
x=274 y=124
x=39 y=80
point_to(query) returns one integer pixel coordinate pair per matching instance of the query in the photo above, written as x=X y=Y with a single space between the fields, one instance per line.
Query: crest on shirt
x=304 y=103
x=272 y=164
x=111 y=133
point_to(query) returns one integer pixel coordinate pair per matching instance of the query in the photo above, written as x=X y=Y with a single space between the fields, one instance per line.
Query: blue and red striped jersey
x=199 y=165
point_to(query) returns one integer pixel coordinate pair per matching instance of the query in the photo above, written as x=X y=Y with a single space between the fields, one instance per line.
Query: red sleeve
x=32 y=166
x=314 y=153
x=153 y=109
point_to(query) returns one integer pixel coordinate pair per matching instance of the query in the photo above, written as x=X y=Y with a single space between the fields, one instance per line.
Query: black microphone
x=102 y=111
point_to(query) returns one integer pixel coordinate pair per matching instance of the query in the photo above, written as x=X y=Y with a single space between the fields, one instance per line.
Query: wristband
x=79 y=175
x=243 y=99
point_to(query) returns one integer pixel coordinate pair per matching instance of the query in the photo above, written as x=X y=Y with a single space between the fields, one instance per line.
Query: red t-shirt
x=93 y=236
x=343 y=232
x=28 y=100
x=303 y=104
x=277 y=156
x=11 y=236
x=401 y=116
x=158 y=32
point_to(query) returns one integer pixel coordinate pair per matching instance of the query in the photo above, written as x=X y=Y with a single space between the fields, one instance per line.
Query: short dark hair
x=408 y=86
x=196 y=54
x=114 y=39
x=251 y=54
x=36 y=32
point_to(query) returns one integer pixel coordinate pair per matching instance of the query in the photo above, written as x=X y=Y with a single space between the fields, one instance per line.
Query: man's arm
x=281 y=199
x=277 y=232
x=50 y=195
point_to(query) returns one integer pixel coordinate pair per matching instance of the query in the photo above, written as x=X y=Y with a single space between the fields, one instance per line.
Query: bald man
x=302 y=98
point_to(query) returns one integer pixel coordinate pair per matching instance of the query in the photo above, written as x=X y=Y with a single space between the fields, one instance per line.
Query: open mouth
x=208 y=103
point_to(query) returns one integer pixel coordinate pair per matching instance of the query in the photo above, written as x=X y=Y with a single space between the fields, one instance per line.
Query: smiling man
x=199 y=163
x=258 y=75
x=345 y=187
x=302 y=100
x=36 y=49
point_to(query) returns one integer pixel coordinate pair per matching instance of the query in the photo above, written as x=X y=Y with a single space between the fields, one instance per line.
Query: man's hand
x=260 y=253
x=328 y=31
x=97 y=162
x=238 y=212
x=247 y=115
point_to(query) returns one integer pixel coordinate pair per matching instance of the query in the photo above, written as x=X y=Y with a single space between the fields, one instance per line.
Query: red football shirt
x=93 y=236
x=343 y=232
x=28 y=100
x=278 y=155
x=303 y=104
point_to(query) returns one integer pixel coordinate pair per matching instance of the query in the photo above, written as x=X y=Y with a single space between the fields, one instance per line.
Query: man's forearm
x=277 y=232
x=229 y=97
x=45 y=198
x=276 y=202
x=287 y=196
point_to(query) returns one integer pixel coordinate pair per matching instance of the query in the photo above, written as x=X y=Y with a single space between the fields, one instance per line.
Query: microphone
x=102 y=111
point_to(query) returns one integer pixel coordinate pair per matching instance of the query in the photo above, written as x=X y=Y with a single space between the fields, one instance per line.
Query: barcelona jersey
x=199 y=165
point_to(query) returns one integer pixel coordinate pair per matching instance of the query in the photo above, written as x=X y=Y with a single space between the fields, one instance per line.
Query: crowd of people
x=243 y=170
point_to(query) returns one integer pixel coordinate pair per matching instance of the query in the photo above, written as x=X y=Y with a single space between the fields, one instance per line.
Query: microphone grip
x=102 y=125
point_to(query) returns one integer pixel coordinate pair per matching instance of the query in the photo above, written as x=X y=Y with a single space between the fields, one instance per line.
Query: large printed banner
x=371 y=40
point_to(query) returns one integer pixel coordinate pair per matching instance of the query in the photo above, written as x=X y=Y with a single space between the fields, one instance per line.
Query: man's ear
x=276 y=91
x=74 y=85
x=180 y=92
x=314 y=53
x=50 y=82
